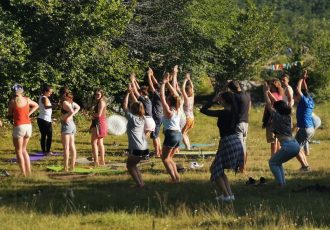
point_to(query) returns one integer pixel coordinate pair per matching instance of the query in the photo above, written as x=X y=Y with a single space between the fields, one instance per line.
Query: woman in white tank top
x=45 y=120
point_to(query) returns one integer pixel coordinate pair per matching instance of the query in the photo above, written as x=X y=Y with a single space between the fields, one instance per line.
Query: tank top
x=21 y=114
x=172 y=123
x=188 y=108
x=44 y=114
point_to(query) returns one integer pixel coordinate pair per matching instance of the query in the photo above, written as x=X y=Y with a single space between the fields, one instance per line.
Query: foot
x=305 y=169
x=225 y=198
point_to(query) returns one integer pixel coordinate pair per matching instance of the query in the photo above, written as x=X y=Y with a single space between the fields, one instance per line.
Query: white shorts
x=22 y=131
x=149 y=124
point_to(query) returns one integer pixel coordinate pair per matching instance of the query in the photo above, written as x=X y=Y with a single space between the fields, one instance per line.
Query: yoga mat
x=87 y=170
x=32 y=158
x=43 y=154
x=195 y=145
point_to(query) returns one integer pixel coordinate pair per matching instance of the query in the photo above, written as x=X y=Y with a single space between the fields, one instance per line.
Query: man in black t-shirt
x=243 y=102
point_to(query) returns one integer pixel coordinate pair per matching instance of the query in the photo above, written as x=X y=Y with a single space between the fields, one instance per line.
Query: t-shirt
x=281 y=124
x=305 y=109
x=243 y=101
x=135 y=132
x=157 y=108
x=147 y=105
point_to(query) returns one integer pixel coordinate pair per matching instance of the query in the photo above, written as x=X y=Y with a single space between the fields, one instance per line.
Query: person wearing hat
x=20 y=109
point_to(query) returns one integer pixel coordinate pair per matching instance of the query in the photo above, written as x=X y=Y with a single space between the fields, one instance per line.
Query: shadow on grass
x=86 y=194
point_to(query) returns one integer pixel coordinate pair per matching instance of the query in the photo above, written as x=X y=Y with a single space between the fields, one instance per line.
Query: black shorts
x=139 y=153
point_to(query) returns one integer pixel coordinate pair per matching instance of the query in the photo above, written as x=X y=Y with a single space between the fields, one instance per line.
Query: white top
x=172 y=123
x=189 y=108
x=44 y=114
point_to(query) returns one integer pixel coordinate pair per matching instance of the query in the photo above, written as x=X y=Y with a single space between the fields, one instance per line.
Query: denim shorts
x=172 y=138
x=68 y=127
x=155 y=133
x=304 y=134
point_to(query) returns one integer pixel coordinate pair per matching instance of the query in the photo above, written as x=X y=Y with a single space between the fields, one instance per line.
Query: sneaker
x=195 y=165
x=224 y=198
x=232 y=197
x=305 y=169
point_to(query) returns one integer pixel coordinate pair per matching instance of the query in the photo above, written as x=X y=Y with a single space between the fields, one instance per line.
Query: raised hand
x=166 y=78
x=132 y=76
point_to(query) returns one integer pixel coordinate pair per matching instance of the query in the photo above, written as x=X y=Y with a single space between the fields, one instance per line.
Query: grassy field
x=49 y=200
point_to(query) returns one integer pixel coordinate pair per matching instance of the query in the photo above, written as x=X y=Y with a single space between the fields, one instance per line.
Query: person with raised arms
x=188 y=108
x=20 y=109
x=305 y=125
x=137 y=141
x=172 y=130
x=157 y=111
x=280 y=112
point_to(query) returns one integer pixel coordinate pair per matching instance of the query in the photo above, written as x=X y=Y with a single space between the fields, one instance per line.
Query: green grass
x=105 y=201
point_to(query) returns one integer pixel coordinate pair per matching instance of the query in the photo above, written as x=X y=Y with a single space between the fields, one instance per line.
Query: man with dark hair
x=243 y=102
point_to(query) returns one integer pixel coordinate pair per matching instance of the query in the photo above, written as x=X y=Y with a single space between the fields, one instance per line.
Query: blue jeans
x=289 y=149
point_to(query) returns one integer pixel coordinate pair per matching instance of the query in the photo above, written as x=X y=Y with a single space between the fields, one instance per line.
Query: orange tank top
x=21 y=114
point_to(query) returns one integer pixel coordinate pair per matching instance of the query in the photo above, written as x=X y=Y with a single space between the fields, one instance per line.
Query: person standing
x=157 y=111
x=230 y=153
x=20 y=109
x=172 y=130
x=137 y=141
x=305 y=125
x=275 y=93
x=142 y=95
x=68 y=129
x=99 y=127
x=281 y=115
x=243 y=101
x=188 y=108
x=45 y=120
x=288 y=91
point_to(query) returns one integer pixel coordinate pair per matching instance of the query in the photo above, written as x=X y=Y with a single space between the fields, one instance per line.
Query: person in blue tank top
x=305 y=107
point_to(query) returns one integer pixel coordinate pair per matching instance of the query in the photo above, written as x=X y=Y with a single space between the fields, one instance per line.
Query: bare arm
x=150 y=81
x=33 y=106
x=166 y=109
x=101 y=107
x=46 y=102
x=125 y=102
x=267 y=99
x=135 y=85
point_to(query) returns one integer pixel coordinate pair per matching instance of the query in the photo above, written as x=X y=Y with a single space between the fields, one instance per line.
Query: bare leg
x=66 y=148
x=26 y=156
x=18 y=142
x=302 y=159
x=157 y=146
x=167 y=161
x=134 y=171
x=186 y=140
x=226 y=181
x=220 y=181
x=101 y=150
x=95 y=149
x=73 y=152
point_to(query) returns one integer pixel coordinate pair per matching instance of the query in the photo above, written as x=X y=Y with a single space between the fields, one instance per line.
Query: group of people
x=169 y=106
x=21 y=108
x=165 y=103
